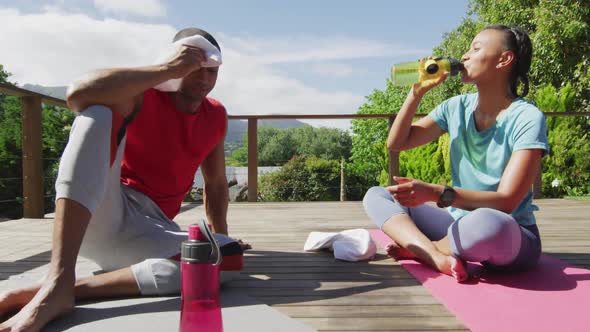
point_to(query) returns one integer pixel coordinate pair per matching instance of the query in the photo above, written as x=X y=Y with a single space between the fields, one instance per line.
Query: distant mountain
x=53 y=91
x=235 y=130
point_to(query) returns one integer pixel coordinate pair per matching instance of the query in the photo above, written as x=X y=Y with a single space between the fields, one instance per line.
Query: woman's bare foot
x=450 y=265
x=52 y=300
x=397 y=252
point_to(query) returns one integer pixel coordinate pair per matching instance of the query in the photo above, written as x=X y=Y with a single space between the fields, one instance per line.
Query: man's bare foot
x=450 y=265
x=12 y=301
x=397 y=252
x=52 y=300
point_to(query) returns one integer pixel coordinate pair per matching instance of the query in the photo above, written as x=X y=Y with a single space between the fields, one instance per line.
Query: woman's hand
x=419 y=89
x=411 y=192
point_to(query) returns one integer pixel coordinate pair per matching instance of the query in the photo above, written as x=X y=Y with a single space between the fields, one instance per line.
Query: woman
x=497 y=140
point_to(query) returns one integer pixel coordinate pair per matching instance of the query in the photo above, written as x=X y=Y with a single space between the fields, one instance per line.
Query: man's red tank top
x=166 y=146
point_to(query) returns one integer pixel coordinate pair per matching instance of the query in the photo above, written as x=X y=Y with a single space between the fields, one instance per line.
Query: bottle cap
x=431 y=66
x=195 y=233
x=456 y=66
x=201 y=246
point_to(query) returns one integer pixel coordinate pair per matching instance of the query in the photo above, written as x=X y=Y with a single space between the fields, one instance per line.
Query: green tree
x=559 y=30
x=566 y=168
x=326 y=143
x=303 y=179
x=277 y=146
x=10 y=158
x=56 y=127
x=369 y=154
x=3 y=75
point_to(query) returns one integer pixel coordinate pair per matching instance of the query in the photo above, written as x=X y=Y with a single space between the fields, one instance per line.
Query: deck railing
x=32 y=166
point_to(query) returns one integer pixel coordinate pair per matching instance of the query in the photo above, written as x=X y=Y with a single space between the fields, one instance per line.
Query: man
x=130 y=160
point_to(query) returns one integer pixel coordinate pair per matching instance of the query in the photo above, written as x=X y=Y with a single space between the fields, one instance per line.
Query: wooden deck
x=314 y=288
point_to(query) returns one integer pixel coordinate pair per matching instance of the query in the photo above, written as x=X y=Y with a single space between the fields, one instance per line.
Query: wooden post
x=393 y=157
x=252 y=160
x=32 y=161
x=342 y=182
x=538 y=185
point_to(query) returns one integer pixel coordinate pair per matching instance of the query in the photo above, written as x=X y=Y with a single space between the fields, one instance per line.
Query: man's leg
x=82 y=183
x=56 y=295
x=119 y=283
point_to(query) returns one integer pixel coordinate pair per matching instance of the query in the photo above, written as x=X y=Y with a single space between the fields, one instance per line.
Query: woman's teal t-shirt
x=478 y=158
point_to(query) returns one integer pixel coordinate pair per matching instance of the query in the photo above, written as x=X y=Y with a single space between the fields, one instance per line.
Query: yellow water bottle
x=408 y=73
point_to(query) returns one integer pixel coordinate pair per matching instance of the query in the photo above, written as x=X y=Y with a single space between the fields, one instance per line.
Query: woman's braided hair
x=519 y=42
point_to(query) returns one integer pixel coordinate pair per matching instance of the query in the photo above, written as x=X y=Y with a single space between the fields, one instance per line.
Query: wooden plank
x=365 y=311
x=13 y=90
x=359 y=116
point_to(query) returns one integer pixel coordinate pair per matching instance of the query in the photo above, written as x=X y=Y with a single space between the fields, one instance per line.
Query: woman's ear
x=505 y=59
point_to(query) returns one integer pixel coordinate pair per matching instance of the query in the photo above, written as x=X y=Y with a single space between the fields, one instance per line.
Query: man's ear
x=505 y=59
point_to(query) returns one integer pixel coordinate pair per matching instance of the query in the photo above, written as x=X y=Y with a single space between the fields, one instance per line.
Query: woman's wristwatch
x=446 y=197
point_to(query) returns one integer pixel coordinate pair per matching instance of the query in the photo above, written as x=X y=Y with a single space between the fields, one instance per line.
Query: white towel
x=351 y=245
x=212 y=54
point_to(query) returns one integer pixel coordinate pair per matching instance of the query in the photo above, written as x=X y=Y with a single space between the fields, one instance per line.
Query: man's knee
x=157 y=276
x=84 y=166
x=93 y=120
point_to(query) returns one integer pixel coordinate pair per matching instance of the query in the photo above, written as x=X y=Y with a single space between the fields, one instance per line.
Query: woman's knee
x=491 y=223
x=375 y=192
x=380 y=205
x=486 y=234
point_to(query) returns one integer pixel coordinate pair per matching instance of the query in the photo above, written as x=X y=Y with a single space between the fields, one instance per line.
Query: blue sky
x=287 y=57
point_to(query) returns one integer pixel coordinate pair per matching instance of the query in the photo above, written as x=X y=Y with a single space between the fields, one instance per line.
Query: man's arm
x=215 y=192
x=119 y=88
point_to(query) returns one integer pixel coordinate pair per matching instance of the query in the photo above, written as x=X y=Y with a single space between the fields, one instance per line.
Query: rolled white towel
x=212 y=54
x=354 y=245
x=351 y=245
x=320 y=240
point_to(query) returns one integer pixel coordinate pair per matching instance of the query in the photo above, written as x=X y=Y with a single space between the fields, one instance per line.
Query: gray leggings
x=484 y=235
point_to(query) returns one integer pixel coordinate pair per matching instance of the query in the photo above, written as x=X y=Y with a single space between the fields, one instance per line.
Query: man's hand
x=244 y=245
x=186 y=60
x=410 y=192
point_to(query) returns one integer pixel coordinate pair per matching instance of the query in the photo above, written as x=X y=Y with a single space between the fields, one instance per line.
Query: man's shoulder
x=214 y=104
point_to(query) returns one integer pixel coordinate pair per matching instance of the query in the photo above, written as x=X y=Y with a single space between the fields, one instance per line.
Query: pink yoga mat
x=555 y=296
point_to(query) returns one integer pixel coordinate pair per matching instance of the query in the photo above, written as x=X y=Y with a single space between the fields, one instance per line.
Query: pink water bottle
x=200 y=255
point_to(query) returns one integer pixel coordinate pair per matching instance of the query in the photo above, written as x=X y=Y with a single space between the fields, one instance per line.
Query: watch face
x=447 y=197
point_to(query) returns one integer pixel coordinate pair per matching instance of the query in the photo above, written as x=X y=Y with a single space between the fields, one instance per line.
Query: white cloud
x=332 y=69
x=54 y=48
x=312 y=48
x=149 y=8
